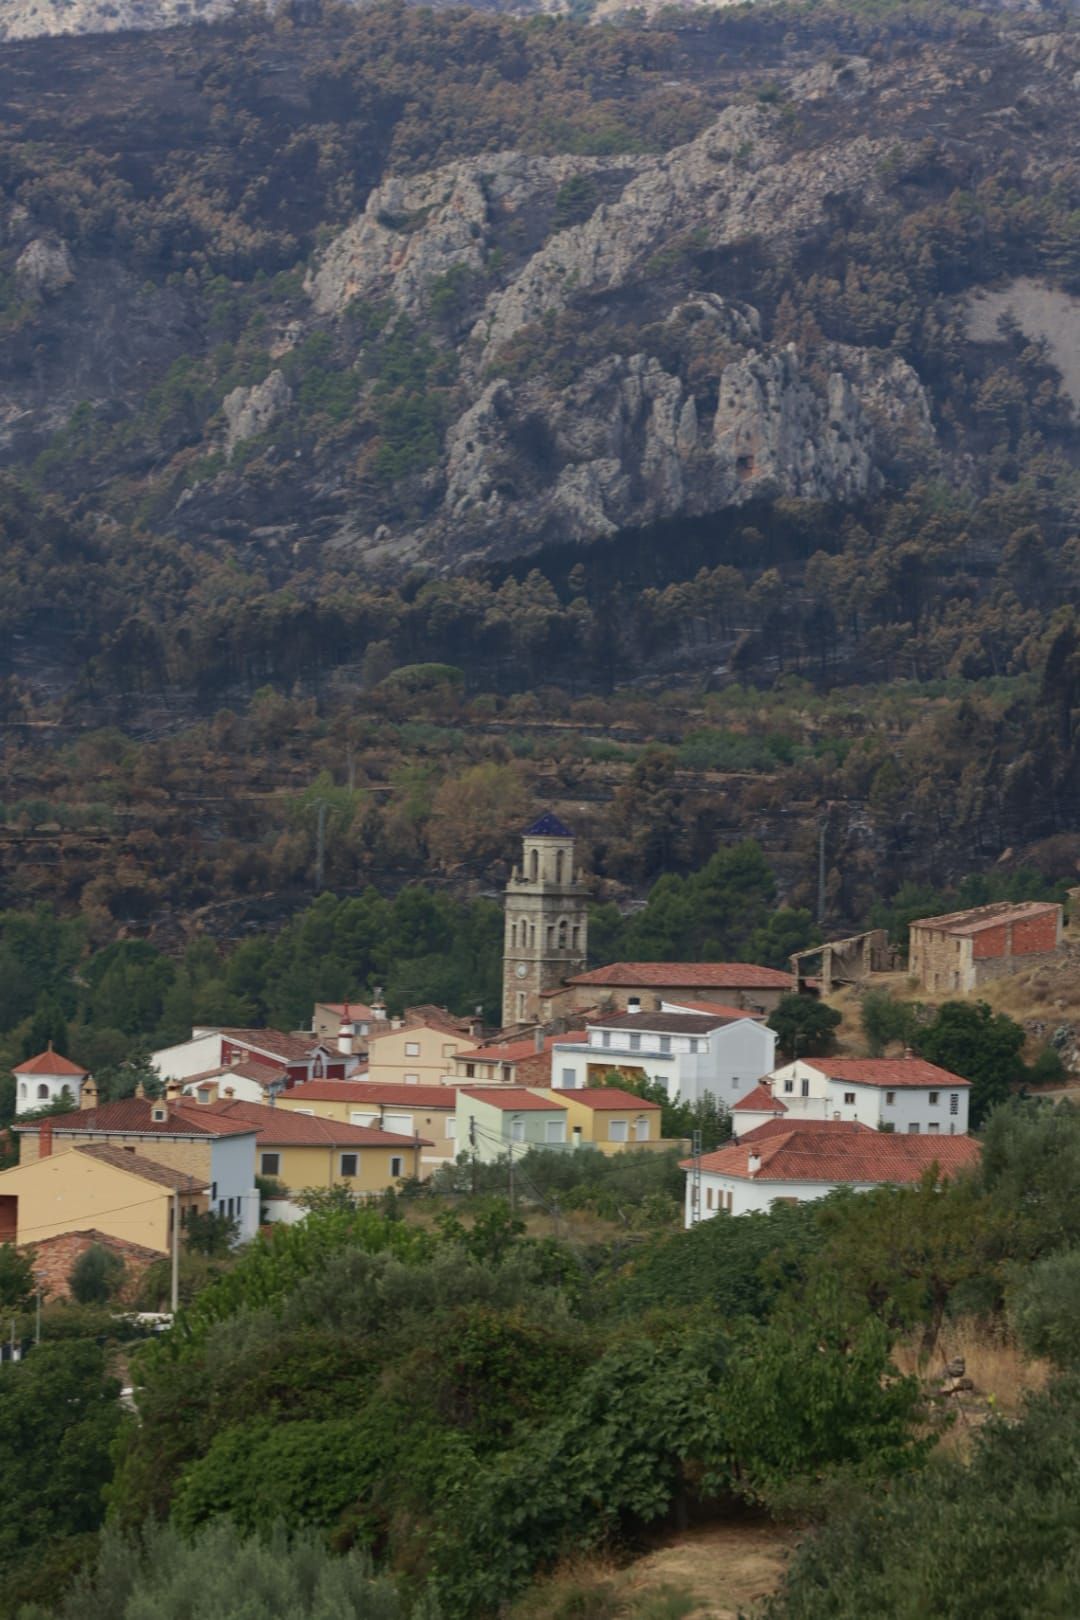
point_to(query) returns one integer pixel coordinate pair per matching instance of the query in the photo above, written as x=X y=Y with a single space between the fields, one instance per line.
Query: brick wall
x=1035 y=934
x=54 y=1258
x=178 y=1154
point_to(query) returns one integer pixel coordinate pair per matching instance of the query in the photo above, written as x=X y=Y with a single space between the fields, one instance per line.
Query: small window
x=399 y=1124
x=913 y=1128
x=568 y=1076
x=412 y=1048
x=933 y=1129
x=310 y=1112
x=412 y=1079
x=349 y=1163
x=954 y=1102
x=735 y=1082
x=804 y=1088
x=618 y=1131
x=789 y=1086
x=396 y=1166
x=517 y=1130
x=934 y=1095
x=890 y=1098
x=635 y=1043
x=555 y=1131
x=451 y=1129
x=849 y=1098
x=22 y=1088
x=641 y=1130
x=361 y=1116
x=605 y=1038
x=470 y=1071
x=694 y=1044
x=665 y=1043
x=269 y=1165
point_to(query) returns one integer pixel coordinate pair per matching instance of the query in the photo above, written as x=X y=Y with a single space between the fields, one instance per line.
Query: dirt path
x=727 y=1567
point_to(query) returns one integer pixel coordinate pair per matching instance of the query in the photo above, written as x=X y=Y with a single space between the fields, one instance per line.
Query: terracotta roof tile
x=49 y=1062
x=895 y=1073
x=688 y=975
x=515 y=1051
x=759 y=1101
x=839 y=1155
x=514 y=1099
x=289 y=1048
x=134 y=1117
x=977 y=918
x=373 y=1091
x=136 y=1165
x=282 y=1127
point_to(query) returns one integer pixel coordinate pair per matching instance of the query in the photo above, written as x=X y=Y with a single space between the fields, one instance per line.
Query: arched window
x=532 y=934
x=558 y=865
x=22 y=1089
x=43 y=1092
x=534 y=865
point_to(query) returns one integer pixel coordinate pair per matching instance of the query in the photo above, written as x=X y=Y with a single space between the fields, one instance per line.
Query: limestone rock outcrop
x=249 y=412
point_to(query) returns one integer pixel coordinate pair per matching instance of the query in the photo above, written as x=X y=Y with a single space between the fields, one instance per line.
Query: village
x=250 y=1125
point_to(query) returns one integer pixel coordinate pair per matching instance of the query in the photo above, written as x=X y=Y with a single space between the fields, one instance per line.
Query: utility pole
x=695 y=1181
x=472 y=1144
x=510 y=1166
x=174 y=1293
x=822 y=832
x=37 y=1317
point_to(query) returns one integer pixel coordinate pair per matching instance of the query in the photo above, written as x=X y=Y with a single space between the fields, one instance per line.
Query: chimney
x=633 y=1004
x=173 y=1088
x=345 y=1033
x=378 y=1005
x=538 y=1038
x=230 y=1091
x=45 y=1139
x=753 y=1163
x=140 y=1091
x=908 y=1053
x=88 y=1096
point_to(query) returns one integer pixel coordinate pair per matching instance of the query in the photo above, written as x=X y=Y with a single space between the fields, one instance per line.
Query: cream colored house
x=122 y=1194
x=420 y=1048
x=305 y=1150
x=610 y=1119
x=427 y=1111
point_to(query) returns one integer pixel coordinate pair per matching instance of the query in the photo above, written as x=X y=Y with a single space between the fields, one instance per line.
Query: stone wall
x=54 y=1258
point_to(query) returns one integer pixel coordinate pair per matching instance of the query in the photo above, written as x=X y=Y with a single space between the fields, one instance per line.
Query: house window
x=309 y=1111
x=451 y=1129
x=954 y=1102
x=359 y=1116
x=735 y=1082
x=568 y=1077
x=470 y=1071
x=934 y=1098
x=641 y=1130
x=913 y=1129
x=694 y=1044
x=804 y=1088
x=933 y=1129
x=412 y=1048
x=396 y=1166
x=665 y=1043
x=349 y=1163
x=555 y=1131
x=789 y=1086
x=22 y=1088
x=269 y=1165
x=401 y=1124
x=43 y=1091
x=605 y=1038
x=849 y=1098
x=521 y=1007
x=517 y=1130
x=507 y=1071
x=635 y=1043
x=890 y=1098
x=412 y=1079
x=708 y=1198
x=618 y=1131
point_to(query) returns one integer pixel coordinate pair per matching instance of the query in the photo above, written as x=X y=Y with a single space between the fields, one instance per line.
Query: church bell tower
x=546 y=921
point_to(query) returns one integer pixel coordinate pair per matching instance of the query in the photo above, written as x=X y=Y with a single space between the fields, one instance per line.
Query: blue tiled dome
x=548 y=826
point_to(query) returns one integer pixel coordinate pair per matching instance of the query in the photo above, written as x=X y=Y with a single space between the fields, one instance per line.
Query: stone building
x=547 y=922
x=957 y=952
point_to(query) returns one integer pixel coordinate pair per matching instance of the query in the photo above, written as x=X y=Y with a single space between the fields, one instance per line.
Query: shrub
x=97 y=1275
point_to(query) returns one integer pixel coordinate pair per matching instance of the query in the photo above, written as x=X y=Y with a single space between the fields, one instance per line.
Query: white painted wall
x=730 y=1061
x=757 y=1196
x=243 y=1090
x=232 y=1168
x=189 y=1057
x=39 y=1090
x=871 y=1105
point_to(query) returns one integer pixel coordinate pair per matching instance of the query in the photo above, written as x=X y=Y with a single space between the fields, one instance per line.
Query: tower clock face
x=521 y=970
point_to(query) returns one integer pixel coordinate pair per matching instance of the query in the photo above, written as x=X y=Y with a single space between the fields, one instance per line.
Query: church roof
x=548 y=826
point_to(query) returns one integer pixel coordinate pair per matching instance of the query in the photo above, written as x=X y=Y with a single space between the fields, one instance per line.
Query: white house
x=297 y=1057
x=911 y=1095
x=690 y=1054
x=43 y=1079
x=794 y=1163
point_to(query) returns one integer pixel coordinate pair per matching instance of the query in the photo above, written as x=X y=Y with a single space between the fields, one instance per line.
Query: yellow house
x=429 y=1111
x=110 y=1189
x=420 y=1048
x=305 y=1150
x=609 y=1119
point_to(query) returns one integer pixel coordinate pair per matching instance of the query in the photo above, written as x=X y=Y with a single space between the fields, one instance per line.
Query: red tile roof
x=894 y=1073
x=134 y=1117
x=264 y=1074
x=359 y=1011
x=772 y=1127
x=760 y=1101
x=49 y=1062
x=688 y=975
x=717 y=1009
x=515 y=1051
x=374 y=1091
x=514 y=1099
x=977 y=918
x=136 y=1165
x=607 y=1097
x=840 y=1155
x=281 y=1127
x=289 y=1048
